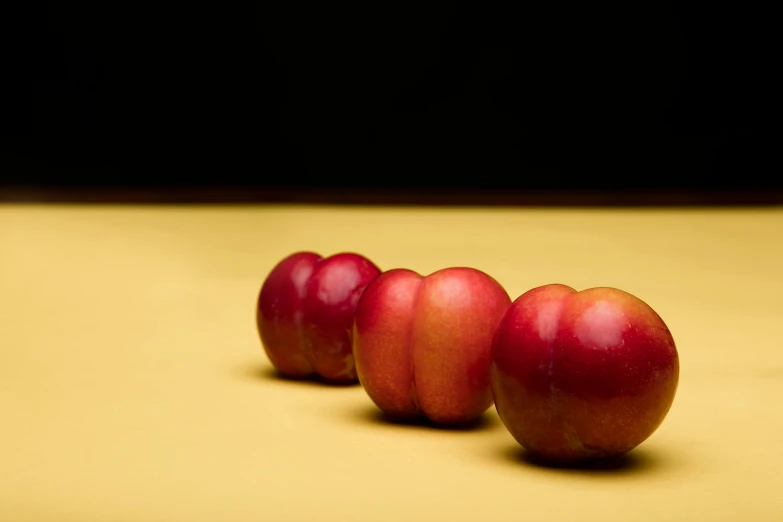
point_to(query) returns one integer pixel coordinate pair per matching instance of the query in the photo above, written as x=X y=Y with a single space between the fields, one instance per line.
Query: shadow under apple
x=372 y=415
x=634 y=462
x=269 y=373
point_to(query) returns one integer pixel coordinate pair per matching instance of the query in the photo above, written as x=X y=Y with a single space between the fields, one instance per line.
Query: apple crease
x=414 y=307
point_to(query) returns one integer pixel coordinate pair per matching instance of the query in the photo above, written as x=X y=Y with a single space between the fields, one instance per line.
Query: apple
x=582 y=375
x=304 y=314
x=422 y=345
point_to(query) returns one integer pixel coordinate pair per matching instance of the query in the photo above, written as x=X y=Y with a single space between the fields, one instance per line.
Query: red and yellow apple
x=422 y=344
x=582 y=375
x=304 y=313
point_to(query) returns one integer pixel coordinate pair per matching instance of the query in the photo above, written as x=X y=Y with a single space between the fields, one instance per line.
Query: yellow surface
x=133 y=386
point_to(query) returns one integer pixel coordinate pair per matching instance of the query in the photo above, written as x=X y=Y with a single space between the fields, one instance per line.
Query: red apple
x=422 y=344
x=582 y=375
x=305 y=313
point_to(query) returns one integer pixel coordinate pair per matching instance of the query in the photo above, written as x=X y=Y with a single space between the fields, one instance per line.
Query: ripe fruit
x=582 y=375
x=305 y=313
x=422 y=344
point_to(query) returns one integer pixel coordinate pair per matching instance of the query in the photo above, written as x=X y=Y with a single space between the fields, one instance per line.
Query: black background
x=542 y=96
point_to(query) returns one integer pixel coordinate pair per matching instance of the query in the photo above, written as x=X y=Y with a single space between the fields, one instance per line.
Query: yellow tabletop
x=133 y=386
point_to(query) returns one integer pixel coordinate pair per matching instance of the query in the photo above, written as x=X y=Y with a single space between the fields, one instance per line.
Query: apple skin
x=584 y=375
x=422 y=345
x=304 y=314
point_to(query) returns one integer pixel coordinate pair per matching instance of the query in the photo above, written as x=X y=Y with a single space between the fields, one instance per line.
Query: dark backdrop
x=574 y=96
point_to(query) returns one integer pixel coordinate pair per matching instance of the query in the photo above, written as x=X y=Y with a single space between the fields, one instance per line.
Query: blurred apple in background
x=422 y=344
x=305 y=313
x=582 y=375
